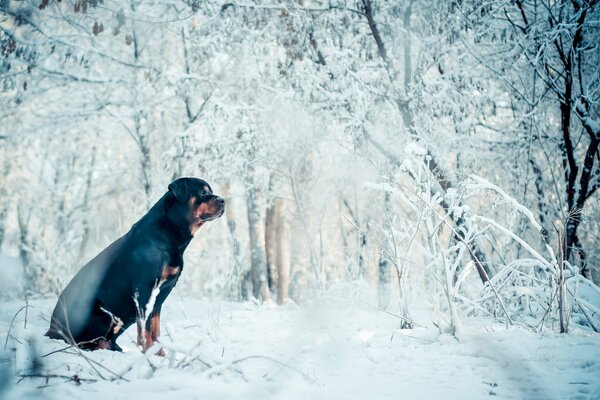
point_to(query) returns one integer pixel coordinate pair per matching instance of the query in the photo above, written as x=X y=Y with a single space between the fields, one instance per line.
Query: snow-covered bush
x=452 y=235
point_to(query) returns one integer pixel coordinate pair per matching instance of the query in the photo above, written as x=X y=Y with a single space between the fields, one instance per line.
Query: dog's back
x=74 y=307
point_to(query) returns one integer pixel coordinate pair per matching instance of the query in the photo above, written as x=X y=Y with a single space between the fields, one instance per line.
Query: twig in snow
x=186 y=360
x=91 y=361
x=195 y=358
x=25 y=307
x=72 y=345
x=378 y=309
x=222 y=367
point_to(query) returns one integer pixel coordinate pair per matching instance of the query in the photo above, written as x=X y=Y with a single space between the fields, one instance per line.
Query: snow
x=585 y=293
x=11 y=274
x=413 y=148
x=331 y=348
x=593 y=125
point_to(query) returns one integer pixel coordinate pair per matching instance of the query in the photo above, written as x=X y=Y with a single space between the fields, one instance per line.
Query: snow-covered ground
x=333 y=348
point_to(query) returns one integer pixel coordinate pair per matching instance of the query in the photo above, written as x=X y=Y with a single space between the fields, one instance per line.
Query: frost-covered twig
x=522 y=242
x=450 y=298
x=379 y=244
x=562 y=298
x=481 y=183
x=473 y=256
x=547 y=312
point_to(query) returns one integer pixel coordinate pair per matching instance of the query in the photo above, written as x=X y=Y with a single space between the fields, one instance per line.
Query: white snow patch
x=413 y=148
x=11 y=275
x=328 y=350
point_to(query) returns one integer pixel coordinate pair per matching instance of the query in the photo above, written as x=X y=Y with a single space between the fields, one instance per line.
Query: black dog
x=130 y=279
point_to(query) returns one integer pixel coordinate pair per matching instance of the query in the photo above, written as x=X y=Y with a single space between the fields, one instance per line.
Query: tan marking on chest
x=169 y=271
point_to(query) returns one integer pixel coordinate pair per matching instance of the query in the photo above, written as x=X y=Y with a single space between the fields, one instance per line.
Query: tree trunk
x=384 y=271
x=237 y=273
x=299 y=258
x=85 y=206
x=141 y=136
x=271 y=243
x=258 y=270
x=384 y=275
x=574 y=248
x=407 y=47
x=4 y=202
x=283 y=258
x=24 y=247
x=3 y=214
x=276 y=242
x=361 y=243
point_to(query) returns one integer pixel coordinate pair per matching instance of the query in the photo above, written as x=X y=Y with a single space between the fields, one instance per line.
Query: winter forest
x=411 y=194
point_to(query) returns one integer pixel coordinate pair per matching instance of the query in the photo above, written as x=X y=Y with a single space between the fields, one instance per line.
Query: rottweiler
x=130 y=279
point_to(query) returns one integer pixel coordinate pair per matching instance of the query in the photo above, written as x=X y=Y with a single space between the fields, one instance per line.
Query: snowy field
x=333 y=348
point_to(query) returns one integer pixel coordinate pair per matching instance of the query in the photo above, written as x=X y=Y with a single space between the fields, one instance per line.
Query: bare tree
x=555 y=78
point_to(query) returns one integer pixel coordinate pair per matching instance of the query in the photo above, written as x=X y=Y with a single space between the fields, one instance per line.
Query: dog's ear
x=180 y=190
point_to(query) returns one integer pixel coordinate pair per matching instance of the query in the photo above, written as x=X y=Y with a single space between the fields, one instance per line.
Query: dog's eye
x=205 y=191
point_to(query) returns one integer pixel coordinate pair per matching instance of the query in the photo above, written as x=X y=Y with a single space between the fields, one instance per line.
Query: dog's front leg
x=149 y=335
x=154 y=330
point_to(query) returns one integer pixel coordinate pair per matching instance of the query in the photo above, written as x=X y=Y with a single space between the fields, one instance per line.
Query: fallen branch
x=73 y=378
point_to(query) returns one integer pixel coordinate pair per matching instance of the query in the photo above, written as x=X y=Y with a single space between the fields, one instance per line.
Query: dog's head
x=195 y=202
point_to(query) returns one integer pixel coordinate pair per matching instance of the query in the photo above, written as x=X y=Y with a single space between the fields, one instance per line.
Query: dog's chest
x=173 y=264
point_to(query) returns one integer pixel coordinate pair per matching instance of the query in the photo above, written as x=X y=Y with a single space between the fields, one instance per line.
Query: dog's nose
x=220 y=200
